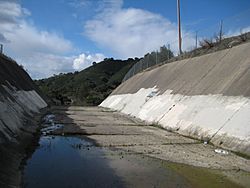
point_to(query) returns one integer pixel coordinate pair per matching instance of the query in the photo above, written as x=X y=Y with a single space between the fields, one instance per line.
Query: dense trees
x=87 y=87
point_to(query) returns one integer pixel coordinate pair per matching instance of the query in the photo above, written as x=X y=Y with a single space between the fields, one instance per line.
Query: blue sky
x=49 y=37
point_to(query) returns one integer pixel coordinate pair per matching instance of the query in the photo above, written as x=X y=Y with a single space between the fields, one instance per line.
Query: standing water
x=64 y=162
x=75 y=162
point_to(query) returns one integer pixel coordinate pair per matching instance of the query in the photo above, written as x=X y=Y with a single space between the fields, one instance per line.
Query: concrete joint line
x=229 y=119
x=7 y=127
x=195 y=85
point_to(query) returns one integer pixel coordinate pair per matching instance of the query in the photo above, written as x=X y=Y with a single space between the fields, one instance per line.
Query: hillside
x=89 y=86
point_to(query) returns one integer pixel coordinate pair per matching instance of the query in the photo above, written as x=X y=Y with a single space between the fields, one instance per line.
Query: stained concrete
x=115 y=131
x=206 y=97
x=20 y=101
x=224 y=72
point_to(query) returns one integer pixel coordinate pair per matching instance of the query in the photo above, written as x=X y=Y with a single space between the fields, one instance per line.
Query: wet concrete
x=77 y=162
x=103 y=148
x=68 y=162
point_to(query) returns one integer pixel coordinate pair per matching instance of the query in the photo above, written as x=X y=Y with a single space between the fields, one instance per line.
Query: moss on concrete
x=202 y=177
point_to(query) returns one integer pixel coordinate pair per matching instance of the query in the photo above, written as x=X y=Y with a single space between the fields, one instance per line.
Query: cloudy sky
x=48 y=37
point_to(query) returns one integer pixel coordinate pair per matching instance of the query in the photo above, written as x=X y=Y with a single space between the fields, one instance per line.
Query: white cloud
x=40 y=51
x=41 y=65
x=26 y=39
x=85 y=60
x=132 y=32
x=237 y=31
x=3 y=39
x=79 y=3
x=9 y=11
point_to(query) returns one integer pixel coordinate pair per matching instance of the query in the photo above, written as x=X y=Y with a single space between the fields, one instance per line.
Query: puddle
x=49 y=125
x=50 y=129
x=74 y=162
x=64 y=162
x=58 y=163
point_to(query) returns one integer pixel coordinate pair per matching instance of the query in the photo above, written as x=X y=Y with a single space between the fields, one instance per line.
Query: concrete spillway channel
x=206 y=97
x=96 y=147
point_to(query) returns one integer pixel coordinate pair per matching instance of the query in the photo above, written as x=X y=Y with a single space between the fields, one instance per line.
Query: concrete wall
x=13 y=113
x=206 y=97
x=19 y=99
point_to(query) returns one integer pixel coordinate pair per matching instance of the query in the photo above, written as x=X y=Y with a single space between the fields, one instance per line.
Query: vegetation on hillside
x=89 y=86
x=150 y=60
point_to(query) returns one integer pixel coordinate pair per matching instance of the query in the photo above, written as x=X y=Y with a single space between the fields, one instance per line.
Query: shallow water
x=66 y=162
x=76 y=162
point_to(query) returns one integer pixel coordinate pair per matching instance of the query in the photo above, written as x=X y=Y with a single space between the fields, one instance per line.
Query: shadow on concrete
x=69 y=160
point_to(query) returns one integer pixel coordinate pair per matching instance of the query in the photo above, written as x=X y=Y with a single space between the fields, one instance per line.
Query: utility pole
x=179 y=25
x=196 y=40
x=1 y=49
x=221 y=31
x=168 y=51
x=156 y=58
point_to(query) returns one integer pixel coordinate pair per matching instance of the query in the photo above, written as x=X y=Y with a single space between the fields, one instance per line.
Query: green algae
x=202 y=177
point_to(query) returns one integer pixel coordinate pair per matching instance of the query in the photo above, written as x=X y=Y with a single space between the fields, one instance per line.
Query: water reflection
x=68 y=162
x=73 y=162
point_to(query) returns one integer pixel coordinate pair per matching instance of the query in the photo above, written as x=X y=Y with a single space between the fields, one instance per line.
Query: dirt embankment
x=20 y=101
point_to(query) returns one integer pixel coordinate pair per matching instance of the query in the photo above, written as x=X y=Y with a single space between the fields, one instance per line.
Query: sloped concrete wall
x=19 y=99
x=13 y=112
x=206 y=97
